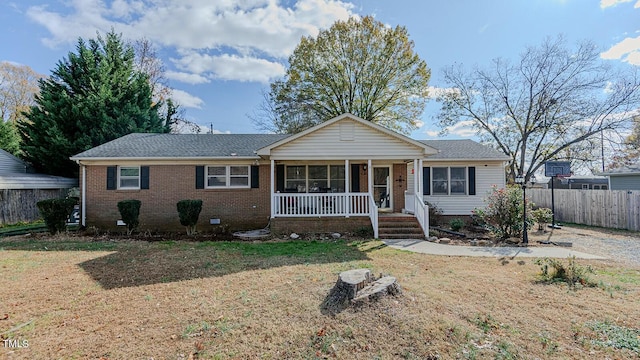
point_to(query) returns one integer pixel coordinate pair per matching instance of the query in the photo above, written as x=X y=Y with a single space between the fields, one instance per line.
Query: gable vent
x=346 y=131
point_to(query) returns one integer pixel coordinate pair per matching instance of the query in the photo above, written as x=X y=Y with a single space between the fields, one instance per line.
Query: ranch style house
x=338 y=176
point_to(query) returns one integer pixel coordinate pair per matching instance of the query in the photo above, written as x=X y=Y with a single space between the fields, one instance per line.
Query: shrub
x=435 y=213
x=129 y=211
x=456 y=224
x=189 y=211
x=541 y=216
x=503 y=213
x=554 y=270
x=55 y=213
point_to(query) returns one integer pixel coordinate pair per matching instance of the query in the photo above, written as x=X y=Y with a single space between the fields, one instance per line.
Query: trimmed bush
x=55 y=213
x=189 y=211
x=130 y=211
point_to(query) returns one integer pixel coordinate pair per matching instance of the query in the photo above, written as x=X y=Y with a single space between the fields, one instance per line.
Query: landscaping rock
x=432 y=238
x=444 y=240
x=336 y=235
x=294 y=236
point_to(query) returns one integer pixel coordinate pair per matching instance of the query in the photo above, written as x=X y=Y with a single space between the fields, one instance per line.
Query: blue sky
x=221 y=54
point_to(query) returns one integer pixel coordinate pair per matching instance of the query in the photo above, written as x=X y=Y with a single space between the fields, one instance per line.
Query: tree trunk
x=356 y=286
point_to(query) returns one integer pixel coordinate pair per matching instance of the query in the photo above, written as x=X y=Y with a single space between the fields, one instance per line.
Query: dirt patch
x=239 y=300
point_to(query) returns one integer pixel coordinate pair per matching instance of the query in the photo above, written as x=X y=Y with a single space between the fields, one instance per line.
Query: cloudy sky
x=221 y=54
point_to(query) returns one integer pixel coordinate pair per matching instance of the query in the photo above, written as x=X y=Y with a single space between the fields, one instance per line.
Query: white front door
x=382 y=186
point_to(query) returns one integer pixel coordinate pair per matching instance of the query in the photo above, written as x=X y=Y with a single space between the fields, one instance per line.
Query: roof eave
x=163 y=158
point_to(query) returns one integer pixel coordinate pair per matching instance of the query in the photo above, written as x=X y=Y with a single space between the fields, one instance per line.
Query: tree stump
x=357 y=286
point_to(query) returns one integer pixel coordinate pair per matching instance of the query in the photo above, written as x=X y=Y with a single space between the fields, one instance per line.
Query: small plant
x=554 y=270
x=55 y=213
x=365 y=232
x=129 y=211
x=542 y=216
x=617 y=337
x=189 y=211
x=456 y=224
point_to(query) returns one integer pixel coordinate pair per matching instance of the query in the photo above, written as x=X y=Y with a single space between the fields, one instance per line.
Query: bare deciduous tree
x=542 y=107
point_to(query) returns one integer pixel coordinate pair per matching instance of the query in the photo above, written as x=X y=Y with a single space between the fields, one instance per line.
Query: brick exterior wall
x=239 y=209
x=323 y=225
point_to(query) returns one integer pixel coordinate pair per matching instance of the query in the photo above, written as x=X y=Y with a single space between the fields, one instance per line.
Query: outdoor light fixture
x=521 y=180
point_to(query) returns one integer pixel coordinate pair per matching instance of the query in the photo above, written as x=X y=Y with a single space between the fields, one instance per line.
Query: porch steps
x=399 y=226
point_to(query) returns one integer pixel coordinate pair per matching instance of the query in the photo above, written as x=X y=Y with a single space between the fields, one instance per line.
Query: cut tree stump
x=355 y=286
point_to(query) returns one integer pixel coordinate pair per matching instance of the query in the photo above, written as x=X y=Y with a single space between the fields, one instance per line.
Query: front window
x=129 y=177
x=227 y=176
x=449 y=181
x=315 y=178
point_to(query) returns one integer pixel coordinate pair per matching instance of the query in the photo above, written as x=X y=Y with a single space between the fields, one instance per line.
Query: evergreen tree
x=9 y=139
x=93 y=96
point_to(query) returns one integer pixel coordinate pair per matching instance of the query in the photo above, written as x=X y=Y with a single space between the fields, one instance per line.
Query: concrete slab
x=427 y=247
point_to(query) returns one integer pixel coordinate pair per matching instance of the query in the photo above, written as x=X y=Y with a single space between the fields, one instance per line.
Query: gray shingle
x=463 y=149
x=181 y=145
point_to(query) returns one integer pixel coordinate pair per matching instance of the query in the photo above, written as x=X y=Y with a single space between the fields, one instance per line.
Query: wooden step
x=399 y=227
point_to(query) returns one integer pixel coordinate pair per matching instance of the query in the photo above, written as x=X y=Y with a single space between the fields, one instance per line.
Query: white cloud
x=436 y=92
x=627 y=50
x=184 y=77
x=185 y=99
x=249 y=32
x=610 y=3
x=230 y=67
x=463 y=129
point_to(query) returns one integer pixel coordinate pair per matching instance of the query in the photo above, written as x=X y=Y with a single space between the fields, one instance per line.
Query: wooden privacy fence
x=20 y=204
x=619 y=209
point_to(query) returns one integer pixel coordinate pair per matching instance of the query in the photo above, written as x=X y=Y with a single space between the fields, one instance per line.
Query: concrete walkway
x=427 y=247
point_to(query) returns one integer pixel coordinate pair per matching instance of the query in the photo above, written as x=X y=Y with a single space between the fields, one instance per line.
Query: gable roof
x=464 y=149
x=10 y=164
x=427 y=149
x=632 y=169
x=185 y=146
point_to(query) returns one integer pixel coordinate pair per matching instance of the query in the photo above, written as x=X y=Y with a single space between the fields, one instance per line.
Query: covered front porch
x=346 y=168
x=356 y=189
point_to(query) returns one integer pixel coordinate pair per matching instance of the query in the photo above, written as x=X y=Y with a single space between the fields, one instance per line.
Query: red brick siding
x=286 y=226
x=168 y=184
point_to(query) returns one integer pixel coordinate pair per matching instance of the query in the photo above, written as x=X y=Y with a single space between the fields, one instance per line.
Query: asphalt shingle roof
x=140 y=145
x=628 y=169
x=463 y=149
x=144 y=145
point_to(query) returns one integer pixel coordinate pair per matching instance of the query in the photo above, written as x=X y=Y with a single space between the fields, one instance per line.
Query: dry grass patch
x=238 y=300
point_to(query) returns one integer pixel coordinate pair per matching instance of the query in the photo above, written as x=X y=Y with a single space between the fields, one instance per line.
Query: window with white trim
x=129 y=177
x=227 y=176
x=449 y=180
x=315 y=178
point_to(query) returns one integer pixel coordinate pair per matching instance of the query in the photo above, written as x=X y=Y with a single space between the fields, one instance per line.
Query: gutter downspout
x=83 y=216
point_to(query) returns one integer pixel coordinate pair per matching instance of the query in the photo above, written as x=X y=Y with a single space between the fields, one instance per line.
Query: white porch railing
x=322 y=204
x=373 y=215
x=421 y=212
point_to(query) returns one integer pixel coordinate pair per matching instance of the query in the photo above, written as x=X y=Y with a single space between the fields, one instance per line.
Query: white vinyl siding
x=488 y=174
x=365 y=143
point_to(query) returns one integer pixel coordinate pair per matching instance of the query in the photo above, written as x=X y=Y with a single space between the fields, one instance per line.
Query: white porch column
x=272 y=187
x=347 y=184
x=416 y=187
x=420 y=179
x=370 y=177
